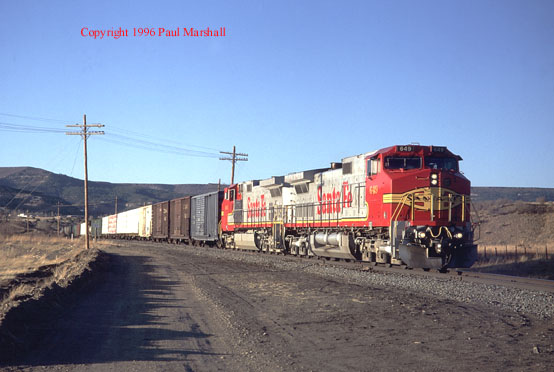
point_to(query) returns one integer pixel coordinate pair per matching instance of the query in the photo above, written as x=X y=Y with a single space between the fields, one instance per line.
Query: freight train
x=401 y=205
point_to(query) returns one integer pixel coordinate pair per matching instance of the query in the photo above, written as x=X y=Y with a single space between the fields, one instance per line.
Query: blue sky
x=295 y=84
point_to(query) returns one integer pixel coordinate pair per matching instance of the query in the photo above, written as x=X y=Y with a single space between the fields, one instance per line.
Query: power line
x=11 y=127
x=36 y=118
x=150 y=146
x=163 y=140
x=75 y=158
x=131 y=140
x=117 y=138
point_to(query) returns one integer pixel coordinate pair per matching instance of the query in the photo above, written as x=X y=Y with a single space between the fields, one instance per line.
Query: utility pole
x=85 y=134
x=58 y=218
x=234 y=159
x=116 y=204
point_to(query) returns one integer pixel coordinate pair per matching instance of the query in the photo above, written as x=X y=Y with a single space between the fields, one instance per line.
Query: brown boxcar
x=160 y=221
x=179 y=220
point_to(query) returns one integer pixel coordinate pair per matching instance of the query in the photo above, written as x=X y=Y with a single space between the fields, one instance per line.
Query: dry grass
x=22 y=254
x=530 y=260
x=31 y=263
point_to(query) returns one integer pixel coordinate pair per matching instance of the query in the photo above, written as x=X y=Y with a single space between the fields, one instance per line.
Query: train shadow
x=111 y=319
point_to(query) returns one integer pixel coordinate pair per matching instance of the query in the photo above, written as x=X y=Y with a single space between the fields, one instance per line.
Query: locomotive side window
x=301 y=188
x=435 y=162
x=373 y=166
x=402 y=162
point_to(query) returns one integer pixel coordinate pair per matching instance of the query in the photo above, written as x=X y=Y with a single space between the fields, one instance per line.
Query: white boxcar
x=109 y=224
x=128 y=222
x=82 y=229
x=105 y=225
x=145 y=222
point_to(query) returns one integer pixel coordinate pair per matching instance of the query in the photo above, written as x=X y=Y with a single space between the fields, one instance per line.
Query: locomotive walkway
x=166 y=307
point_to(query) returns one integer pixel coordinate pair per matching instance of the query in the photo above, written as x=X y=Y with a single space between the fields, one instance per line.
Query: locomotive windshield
x=435 y=162
x=402 y=162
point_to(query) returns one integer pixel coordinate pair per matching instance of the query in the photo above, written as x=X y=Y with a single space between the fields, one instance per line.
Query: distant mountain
x=15 y=199
x=527 y=194
x=37 y=190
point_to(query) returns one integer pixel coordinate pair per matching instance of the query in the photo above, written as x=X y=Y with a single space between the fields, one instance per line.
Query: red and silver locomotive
x=399 y=205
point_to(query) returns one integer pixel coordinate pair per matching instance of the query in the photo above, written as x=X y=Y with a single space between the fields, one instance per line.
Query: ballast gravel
x=522 y=301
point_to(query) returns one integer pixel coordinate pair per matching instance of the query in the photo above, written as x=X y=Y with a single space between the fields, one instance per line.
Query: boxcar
x=96 y=228
x=179 y=221
x=75 y=230
x=160 y=221
x=205 y=216
x=145 y=222
x=66 y=230
x=128 y=223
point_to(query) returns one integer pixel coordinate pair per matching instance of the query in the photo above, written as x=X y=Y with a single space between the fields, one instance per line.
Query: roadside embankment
x=38 y=278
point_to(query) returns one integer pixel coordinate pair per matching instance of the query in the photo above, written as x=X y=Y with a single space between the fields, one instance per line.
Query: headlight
x=421 y=235
x=434 y=182
x=434 y=176
x=459 y=235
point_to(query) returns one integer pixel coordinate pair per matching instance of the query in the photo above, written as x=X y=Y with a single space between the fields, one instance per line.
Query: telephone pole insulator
x=234 y=158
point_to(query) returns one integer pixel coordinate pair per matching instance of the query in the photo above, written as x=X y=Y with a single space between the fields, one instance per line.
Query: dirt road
x=163 y=307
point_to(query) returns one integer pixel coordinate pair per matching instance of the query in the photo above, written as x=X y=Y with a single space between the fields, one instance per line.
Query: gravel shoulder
x=164 y=307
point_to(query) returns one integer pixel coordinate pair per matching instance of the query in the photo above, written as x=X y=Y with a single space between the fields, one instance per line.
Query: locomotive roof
x=305 y=175
x=424 y=150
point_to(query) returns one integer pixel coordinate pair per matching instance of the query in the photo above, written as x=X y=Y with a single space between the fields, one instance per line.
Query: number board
x=405 y=148
x=438 y=149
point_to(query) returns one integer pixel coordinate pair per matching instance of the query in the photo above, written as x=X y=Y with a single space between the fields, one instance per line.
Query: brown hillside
x=511 y=223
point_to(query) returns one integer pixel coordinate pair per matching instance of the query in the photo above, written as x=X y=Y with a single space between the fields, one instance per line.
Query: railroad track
x=460 y=274
x=466 y=275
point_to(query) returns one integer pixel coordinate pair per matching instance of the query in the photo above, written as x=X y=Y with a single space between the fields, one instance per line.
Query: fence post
x=546 y=250
x=495 y=251
x=485 y=247
x=506 y=251
x=516 y=252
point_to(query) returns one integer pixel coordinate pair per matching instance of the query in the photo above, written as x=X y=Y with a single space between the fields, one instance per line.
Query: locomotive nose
x=441 y=178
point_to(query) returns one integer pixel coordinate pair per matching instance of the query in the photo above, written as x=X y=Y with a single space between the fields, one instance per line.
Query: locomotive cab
x=419 y=193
